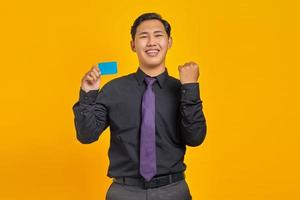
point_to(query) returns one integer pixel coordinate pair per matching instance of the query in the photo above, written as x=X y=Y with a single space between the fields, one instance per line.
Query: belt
x=153 y=183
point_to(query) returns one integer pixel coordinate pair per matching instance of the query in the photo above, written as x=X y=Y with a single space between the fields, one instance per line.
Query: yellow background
x=248 y=53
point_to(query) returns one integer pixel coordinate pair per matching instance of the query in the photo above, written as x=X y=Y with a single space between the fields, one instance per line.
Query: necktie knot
x=150 y=80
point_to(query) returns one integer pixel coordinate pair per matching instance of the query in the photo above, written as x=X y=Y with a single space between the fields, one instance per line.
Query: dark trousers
x=174 y=191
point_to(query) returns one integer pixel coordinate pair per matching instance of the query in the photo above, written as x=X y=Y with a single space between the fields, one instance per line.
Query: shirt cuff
x=190 y=91
x=87 y=97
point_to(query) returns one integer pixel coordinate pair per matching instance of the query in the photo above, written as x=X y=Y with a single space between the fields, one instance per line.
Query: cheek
x=140 y=45
x=164 y=44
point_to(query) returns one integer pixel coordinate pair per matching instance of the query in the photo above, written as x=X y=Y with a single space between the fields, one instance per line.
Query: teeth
x=152 y=52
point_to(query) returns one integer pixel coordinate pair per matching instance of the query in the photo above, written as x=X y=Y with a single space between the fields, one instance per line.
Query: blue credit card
x=108 y=67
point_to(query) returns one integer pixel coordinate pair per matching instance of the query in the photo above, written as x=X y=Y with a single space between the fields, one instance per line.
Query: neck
x=153 y=71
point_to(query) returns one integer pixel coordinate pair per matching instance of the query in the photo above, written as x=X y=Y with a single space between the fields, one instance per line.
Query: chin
x=152 y=64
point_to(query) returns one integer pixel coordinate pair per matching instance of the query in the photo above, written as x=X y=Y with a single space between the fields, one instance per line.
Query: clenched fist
x=91 y=80
x=189 y=72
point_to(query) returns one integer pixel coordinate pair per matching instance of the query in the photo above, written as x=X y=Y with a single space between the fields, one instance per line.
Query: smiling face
x=151 y=43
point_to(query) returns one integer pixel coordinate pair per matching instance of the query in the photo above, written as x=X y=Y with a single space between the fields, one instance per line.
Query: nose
x=151 y=41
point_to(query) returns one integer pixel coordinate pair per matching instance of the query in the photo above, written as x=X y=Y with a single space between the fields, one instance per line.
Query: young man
x=152 y=117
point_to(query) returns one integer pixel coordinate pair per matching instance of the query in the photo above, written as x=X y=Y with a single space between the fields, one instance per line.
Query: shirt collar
x=161 y=78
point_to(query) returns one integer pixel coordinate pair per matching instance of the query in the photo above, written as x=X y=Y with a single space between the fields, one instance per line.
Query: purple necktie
x=147 y=139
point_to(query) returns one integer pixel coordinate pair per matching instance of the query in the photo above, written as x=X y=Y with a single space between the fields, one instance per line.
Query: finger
x=186 y=64
x=96 y=72
x=89 y=78
x=191 y=63
x=96 y=68
x=97 y=75
x=194 y=64
x=93 y=75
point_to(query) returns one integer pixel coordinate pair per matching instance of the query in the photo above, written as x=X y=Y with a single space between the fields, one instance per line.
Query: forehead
x=150 y=26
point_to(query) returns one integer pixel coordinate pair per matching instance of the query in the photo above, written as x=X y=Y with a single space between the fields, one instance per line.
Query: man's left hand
x=188 y=73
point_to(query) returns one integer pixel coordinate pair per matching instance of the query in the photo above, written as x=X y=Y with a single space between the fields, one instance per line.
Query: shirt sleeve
x=191 y=118
x=90 y=115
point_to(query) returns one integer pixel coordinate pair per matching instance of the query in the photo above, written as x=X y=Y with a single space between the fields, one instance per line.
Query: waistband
x=153 y=183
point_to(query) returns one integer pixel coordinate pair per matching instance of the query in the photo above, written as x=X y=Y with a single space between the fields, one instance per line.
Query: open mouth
x=152 y=52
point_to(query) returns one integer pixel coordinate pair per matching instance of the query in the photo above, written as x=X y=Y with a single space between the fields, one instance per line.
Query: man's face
x=151 y=43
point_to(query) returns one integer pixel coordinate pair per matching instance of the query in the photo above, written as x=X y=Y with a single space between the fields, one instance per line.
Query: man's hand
x=189 y=72
x=91 y=80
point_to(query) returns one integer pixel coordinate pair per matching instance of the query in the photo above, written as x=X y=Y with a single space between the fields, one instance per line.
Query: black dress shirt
x=179 y=121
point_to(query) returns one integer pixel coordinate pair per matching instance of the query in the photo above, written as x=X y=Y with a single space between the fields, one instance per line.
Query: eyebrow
x=148 y=32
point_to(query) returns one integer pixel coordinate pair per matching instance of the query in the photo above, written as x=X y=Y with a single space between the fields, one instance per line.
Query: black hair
x=149 y=16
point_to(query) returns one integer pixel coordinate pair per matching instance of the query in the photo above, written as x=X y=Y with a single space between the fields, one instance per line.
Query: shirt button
x=119 y=138
x=81 y=113
x=183 y=91
x=86 y=97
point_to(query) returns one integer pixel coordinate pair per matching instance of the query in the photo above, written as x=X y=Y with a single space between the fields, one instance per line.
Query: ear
x=170 y=42
x=132 y=46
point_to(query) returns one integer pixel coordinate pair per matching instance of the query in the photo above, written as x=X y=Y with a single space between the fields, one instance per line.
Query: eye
x=158 y=35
